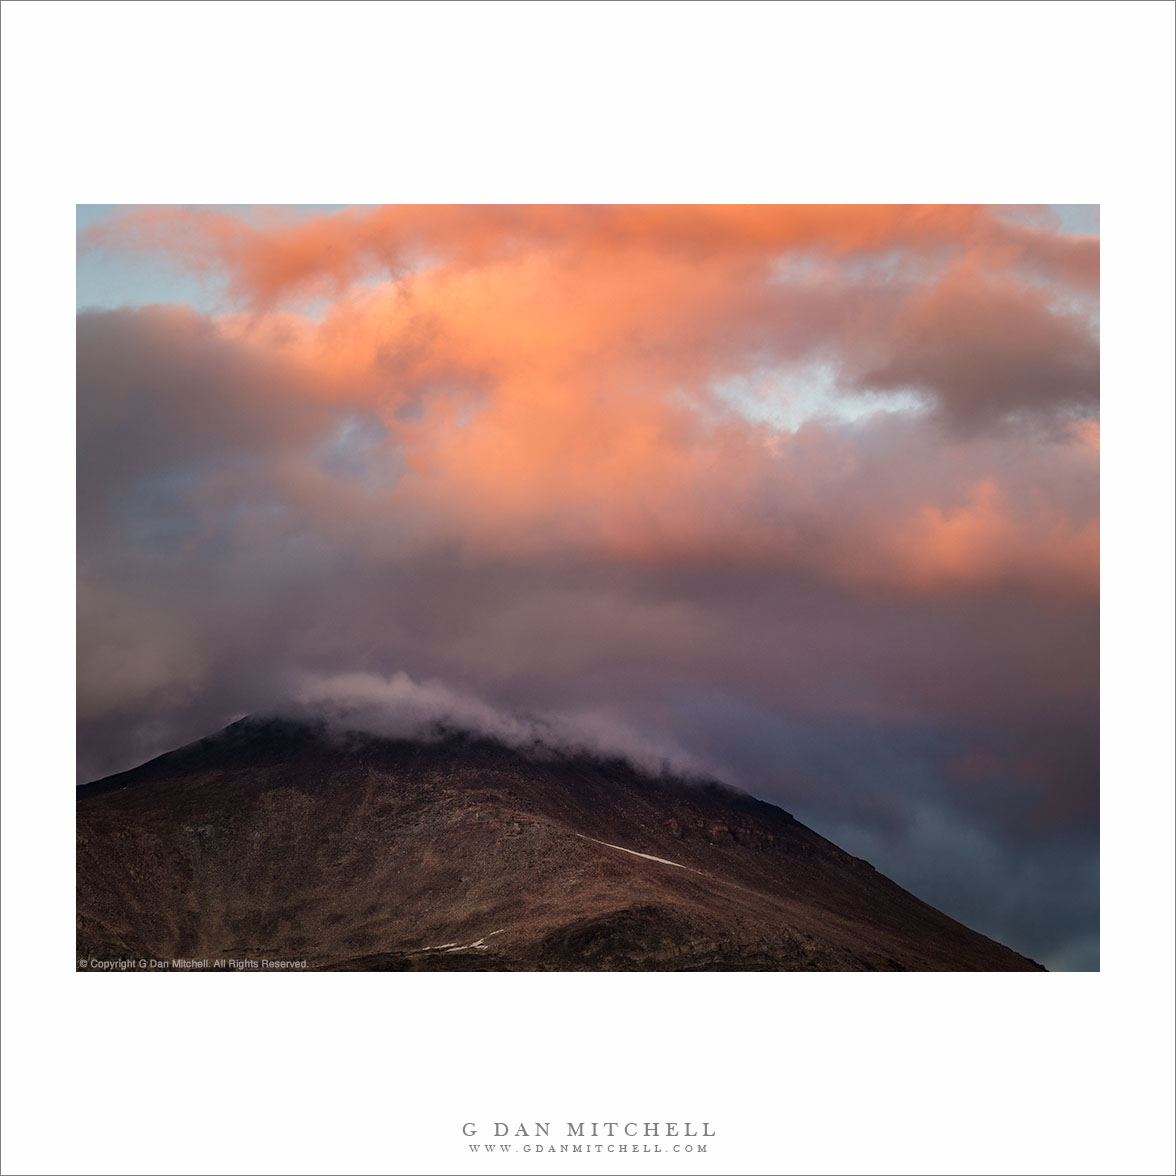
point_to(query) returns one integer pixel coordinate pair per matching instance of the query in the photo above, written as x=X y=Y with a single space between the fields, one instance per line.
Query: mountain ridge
x=360 y=852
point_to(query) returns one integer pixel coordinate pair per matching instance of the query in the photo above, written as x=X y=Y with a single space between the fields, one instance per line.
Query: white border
x=590 y=102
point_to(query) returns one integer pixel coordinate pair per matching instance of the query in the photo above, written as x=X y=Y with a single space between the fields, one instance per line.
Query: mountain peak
x=351 y=850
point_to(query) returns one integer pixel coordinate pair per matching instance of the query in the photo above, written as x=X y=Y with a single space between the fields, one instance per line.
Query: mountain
x=279 y=840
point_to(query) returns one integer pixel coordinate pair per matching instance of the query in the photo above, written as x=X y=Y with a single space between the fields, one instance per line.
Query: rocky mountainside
x=277 y=840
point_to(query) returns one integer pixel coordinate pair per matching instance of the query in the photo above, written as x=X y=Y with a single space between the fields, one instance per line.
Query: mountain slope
x=275 y=840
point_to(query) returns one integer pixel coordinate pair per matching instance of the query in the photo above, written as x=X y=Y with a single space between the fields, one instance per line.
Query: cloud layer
x=399 y=708
x=538 y=458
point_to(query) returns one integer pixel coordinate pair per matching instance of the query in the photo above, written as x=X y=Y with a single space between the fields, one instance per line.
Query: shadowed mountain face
x=276 y=840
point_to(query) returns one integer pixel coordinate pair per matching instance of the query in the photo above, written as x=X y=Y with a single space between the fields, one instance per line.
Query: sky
x=805 y=497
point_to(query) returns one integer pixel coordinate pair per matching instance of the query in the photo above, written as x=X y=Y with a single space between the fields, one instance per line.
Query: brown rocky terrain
x=277 y=840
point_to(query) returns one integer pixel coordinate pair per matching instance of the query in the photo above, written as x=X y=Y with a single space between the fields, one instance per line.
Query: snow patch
x=479 y=943
x=647 y=856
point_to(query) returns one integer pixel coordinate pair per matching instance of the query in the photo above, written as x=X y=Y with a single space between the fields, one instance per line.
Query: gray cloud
x=989 y=350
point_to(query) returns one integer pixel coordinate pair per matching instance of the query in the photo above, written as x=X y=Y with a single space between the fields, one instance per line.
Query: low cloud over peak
x=396 y=707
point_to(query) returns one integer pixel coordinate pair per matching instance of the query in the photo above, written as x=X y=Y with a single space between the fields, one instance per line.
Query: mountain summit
x=277 y=840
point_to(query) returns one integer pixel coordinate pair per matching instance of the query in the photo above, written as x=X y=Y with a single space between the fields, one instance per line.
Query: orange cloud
x=545 y=375
x=982 y=544
x=271 y=255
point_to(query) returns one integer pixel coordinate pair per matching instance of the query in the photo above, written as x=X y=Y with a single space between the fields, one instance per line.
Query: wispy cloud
x=397 y=707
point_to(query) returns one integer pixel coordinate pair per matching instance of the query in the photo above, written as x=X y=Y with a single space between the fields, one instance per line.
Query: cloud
x=397 y=707
x=504 y=413
x=988 y=348
x=273 y=254
x=987 y=314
